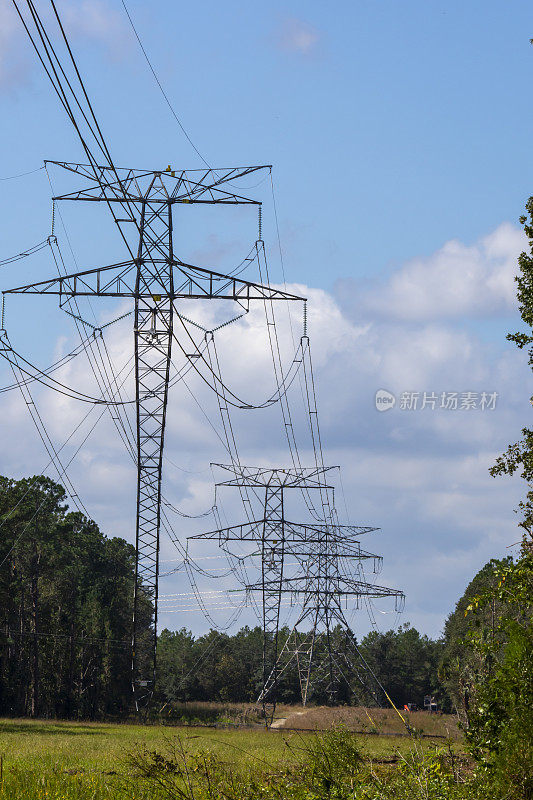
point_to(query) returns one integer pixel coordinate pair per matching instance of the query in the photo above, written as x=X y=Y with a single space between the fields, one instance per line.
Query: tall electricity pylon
x=324 y=554
x=155 y=279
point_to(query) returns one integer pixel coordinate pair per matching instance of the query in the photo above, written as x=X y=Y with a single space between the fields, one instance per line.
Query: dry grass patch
x=372 y=720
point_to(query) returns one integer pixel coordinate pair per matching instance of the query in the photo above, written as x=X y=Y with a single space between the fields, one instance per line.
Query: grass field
x=46 y=760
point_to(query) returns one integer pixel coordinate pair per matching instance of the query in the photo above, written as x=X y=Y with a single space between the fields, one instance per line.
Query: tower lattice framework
x=326 y=570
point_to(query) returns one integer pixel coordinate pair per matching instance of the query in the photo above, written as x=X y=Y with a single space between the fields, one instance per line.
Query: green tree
x=519 y=456
x=176 y=660
x=65 y=613
x=404 y=662
x=500 y=722
x=459 y=662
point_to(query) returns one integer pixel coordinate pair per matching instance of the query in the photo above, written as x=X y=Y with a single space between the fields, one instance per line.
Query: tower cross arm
x=114 y=280
x=119 y=280
x=123 y=185
x=248 y=531
x=298 y=533
x=200 y=282
x=288 y=478
x=339 y=586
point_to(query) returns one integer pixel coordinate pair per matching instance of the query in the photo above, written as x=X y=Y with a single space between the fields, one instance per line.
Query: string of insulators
x=305 y=317
x=3 y=311
x=53 y=217
x=228 y=322
x=260 y=222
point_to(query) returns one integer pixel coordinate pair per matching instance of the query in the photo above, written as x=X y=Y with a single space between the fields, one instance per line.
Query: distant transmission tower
x=328 y=559
x=155 y=279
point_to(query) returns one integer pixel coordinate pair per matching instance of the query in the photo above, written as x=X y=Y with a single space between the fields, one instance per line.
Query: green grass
x=48 y=760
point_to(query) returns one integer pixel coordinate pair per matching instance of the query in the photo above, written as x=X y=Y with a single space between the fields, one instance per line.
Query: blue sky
x=400 y=137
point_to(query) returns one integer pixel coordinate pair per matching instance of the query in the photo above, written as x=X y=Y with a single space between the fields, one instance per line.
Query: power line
x=21 y=174
x=25 y=253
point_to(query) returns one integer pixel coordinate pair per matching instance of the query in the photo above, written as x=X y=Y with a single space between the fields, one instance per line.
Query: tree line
x=65 y=626
x=65 y=607
x=228 y=668
x=65 y=629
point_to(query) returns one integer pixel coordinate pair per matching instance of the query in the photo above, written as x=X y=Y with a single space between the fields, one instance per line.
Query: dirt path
x=280 y=723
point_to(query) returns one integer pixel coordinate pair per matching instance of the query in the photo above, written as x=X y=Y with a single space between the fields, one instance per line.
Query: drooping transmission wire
x=25 y=253
x=223 y=390
x=279 y=376
x=57 y=365
x=58 y=450
x=21 y=174
x=36 y=375
x=98 y=357
x=45 y=438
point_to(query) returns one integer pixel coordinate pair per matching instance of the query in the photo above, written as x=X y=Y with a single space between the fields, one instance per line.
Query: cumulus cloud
x=421 y=475
x=457 y=280
x=94 y=20
x=90 y=20
x=13 y=65
x=297 y=36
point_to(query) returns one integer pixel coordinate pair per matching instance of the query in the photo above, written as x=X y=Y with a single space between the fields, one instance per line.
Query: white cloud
x=456 y=280
x=297 y=36
x=92 y=20
x=13 y=65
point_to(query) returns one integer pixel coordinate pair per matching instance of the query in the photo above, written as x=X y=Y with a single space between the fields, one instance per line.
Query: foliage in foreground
x=488 y=671
x=519 y=456
x=491 y=679
x=500 y=720
x=329 y=765
x=460 y=666
x=318 y=767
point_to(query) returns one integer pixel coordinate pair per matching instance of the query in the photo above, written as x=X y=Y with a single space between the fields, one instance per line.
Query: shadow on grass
x=49 y=728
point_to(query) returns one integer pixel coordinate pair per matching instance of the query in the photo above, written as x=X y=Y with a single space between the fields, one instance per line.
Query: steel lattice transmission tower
x=326 y=570
x=155 y=279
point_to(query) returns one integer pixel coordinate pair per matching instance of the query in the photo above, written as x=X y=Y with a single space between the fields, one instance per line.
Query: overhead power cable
x=25 y=253
x=21 y=174
x=47 y=441
x=51 y=383
x=51 y=462
x=221 y=389
x=59 y=364
x=69 y=99
x=279 y=376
